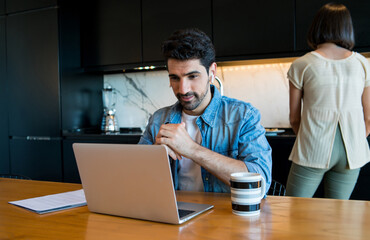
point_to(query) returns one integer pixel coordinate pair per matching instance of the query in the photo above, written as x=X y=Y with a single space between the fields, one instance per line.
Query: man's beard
x=197 y=100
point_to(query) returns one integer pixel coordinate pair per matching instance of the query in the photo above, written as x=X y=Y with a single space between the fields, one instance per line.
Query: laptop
x=132 y=181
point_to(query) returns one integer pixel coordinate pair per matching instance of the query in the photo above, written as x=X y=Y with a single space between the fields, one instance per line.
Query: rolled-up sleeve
x=254 y=148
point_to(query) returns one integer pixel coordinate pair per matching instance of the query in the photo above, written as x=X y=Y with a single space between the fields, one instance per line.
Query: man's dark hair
x=332 y=24
x=189 y=44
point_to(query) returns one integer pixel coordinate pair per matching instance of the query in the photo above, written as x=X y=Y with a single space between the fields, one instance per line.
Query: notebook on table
x=131 y=181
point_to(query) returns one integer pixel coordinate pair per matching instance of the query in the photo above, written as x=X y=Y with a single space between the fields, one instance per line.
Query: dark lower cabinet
x=281 y=148
x=69 y=161
x=306 y=10
x=37 y=159
x=4 y=139
x=361 y=191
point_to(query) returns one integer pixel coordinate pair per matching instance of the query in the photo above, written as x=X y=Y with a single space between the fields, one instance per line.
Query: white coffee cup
x=247 y=190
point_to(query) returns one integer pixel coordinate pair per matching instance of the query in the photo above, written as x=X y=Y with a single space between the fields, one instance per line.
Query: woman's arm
x=366 y=107
x=295 y=102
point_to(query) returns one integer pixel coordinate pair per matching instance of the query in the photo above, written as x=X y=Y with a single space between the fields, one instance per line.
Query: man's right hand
x=175 y=137
x=172 y=153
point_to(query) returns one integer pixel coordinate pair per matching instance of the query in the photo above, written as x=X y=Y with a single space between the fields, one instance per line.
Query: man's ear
x=212 y=72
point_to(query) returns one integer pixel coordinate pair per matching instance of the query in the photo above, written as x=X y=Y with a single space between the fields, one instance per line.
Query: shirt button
x=206 y=178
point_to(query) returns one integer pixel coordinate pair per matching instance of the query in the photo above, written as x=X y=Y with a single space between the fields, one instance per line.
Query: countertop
x=137 y=133
x=86 y=134
x=288 y=133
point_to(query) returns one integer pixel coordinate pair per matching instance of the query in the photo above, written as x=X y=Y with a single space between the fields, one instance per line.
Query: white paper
x=54 y=202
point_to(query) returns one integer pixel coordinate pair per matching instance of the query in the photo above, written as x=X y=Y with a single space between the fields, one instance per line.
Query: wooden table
x=280 y=218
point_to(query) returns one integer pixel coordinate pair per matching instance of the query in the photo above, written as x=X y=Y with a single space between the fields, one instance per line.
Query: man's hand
x=177 y=139
x=179 y=143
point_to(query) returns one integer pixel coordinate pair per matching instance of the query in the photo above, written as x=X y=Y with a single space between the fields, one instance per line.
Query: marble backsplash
x=265 y=86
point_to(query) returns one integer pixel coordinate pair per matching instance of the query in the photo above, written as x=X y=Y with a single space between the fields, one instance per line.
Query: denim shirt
x=229 y=127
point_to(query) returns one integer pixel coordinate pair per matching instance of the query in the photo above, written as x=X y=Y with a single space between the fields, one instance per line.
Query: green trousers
x=339 y=180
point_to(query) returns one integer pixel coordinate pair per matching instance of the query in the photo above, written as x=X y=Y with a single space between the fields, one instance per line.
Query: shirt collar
x=209 y=114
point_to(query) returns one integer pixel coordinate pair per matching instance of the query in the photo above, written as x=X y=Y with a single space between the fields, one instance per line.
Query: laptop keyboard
x=183 y=212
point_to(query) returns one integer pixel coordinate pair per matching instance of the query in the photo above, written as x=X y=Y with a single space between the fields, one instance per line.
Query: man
x=208 y=136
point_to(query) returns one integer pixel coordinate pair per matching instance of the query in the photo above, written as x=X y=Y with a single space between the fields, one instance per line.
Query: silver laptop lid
x=127 y=180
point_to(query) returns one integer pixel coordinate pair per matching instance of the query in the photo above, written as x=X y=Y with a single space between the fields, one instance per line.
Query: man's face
x=190 y=84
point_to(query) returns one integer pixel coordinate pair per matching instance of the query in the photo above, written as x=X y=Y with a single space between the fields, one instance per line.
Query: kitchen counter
x=134 y=136
x=288 y=133
x=126 y=135
x=280 y=143
x=135 y=132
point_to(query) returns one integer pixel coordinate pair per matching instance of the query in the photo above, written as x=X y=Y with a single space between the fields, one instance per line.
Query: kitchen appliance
x=109 y=121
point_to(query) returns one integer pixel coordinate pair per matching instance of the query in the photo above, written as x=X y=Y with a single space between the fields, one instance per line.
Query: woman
x=332 y=83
